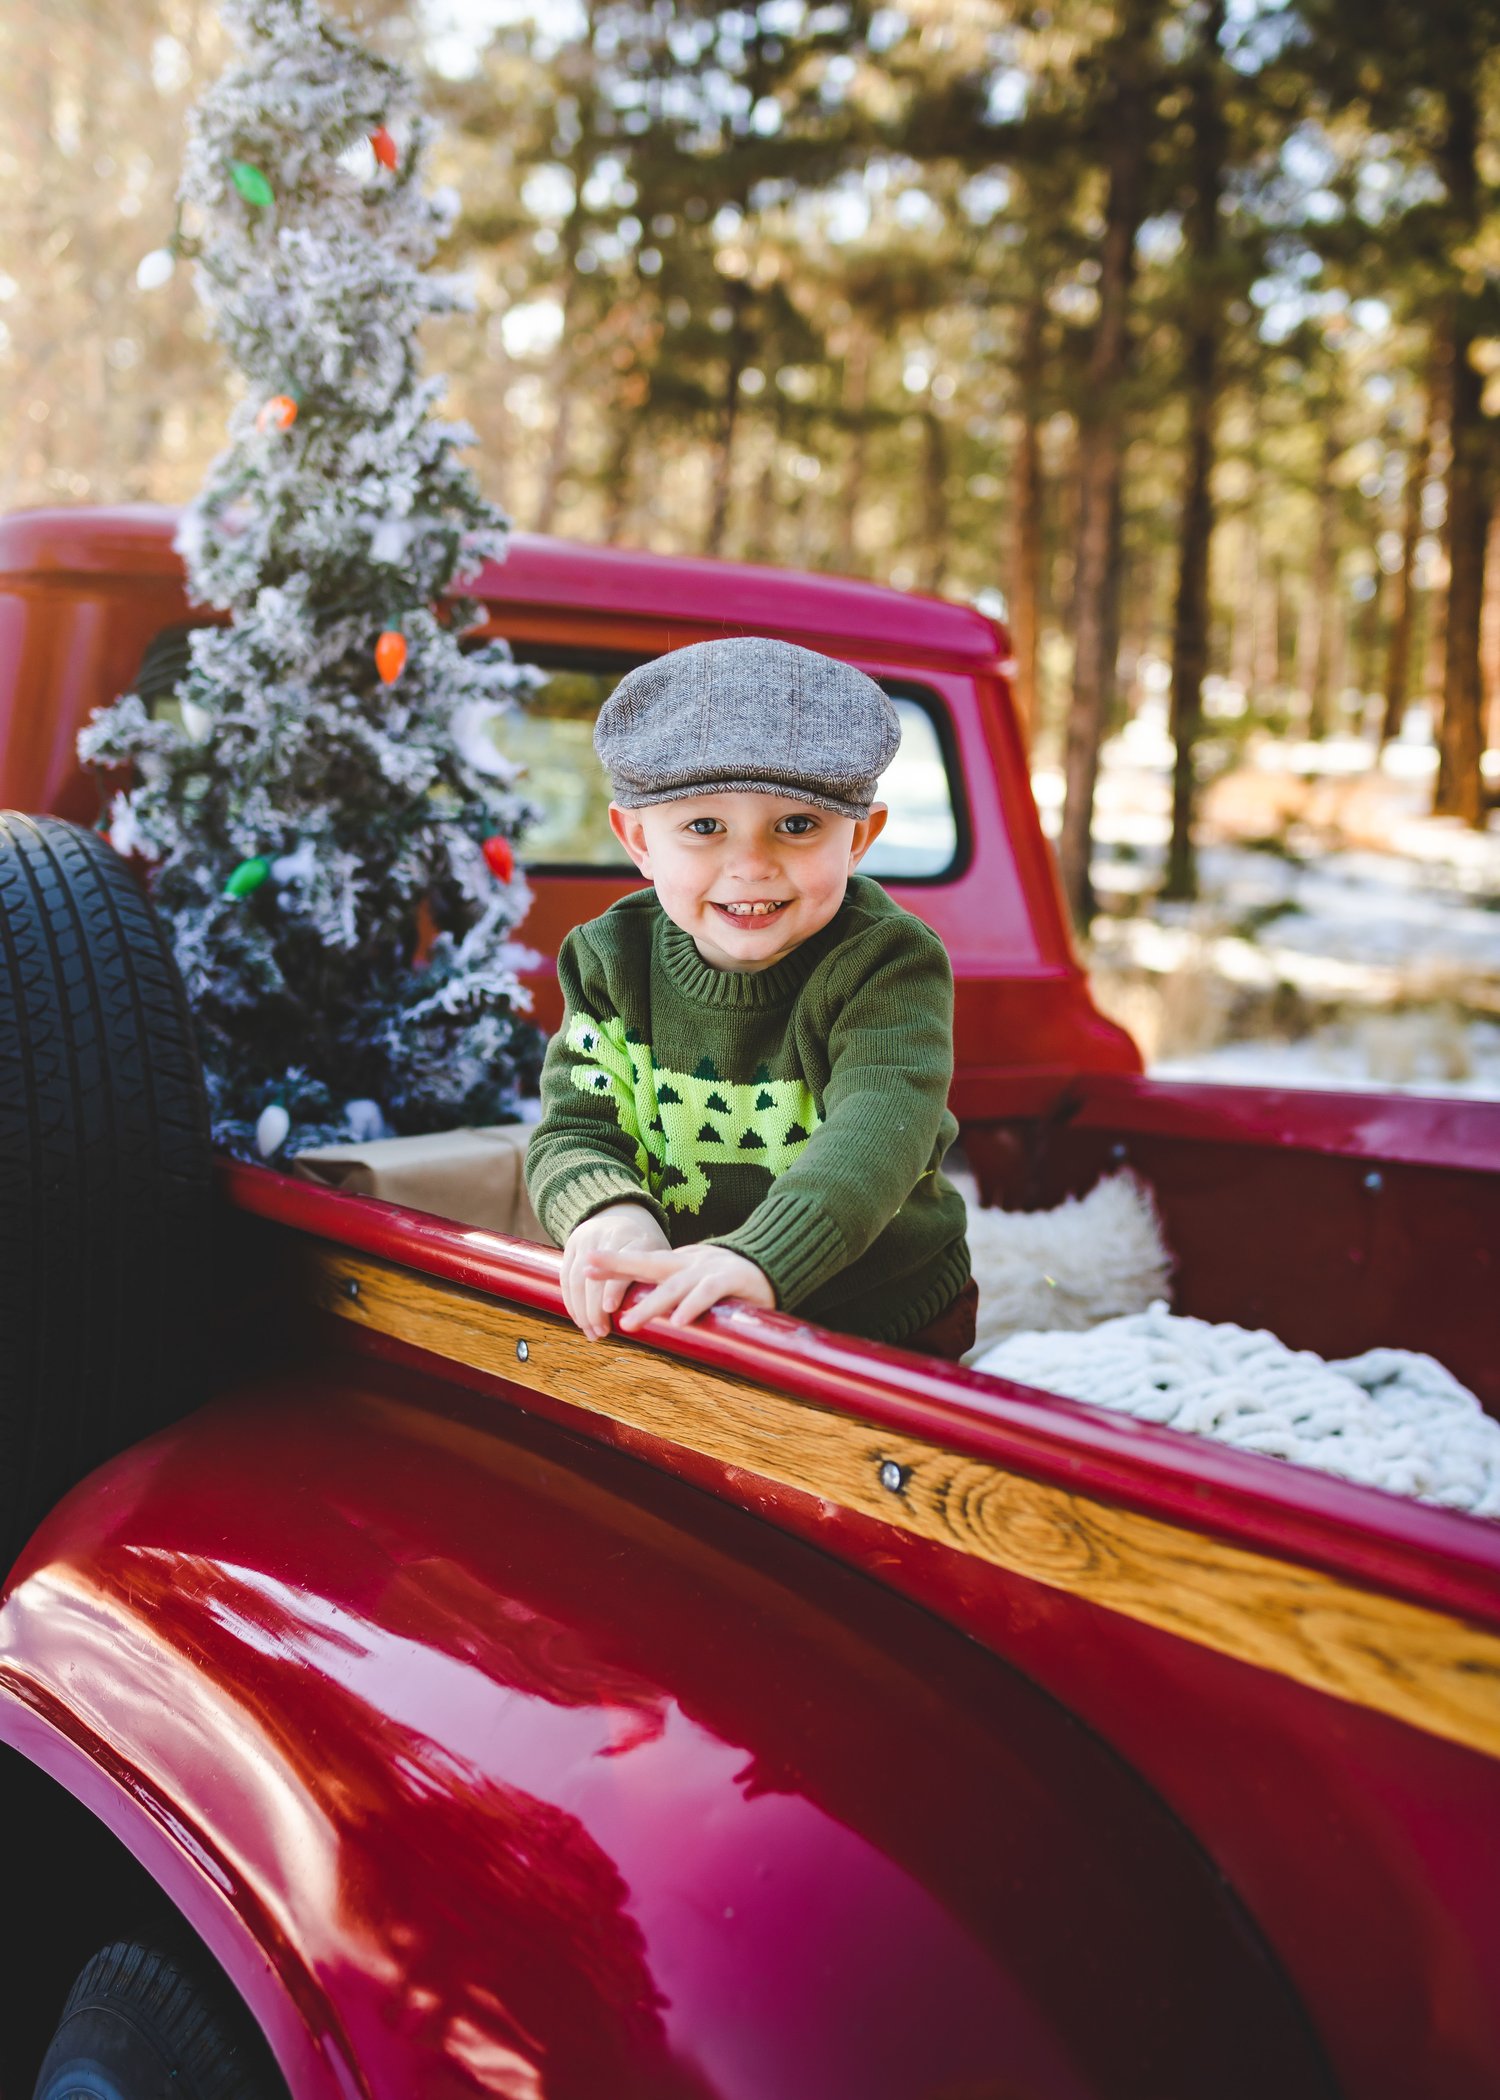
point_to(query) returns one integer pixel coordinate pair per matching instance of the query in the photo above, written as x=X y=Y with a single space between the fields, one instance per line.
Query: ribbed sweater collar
x=748 y=990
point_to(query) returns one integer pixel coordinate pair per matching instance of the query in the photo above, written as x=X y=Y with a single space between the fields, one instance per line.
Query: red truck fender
x=485 y=1761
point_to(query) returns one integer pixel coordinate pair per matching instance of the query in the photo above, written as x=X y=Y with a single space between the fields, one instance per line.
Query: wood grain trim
x=1424 y=1667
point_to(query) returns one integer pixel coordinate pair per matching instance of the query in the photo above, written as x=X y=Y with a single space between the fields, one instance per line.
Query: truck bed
x=1340 y=1221
x=1305 y=1670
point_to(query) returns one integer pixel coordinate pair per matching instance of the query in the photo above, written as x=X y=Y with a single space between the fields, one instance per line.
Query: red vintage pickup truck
x=449 y=1706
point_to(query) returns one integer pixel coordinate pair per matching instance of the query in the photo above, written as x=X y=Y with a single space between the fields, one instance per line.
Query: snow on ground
x=1343 y=937
x=1341 y=1056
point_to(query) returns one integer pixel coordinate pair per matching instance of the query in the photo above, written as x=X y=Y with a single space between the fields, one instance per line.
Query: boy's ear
x=631 y=832
x=866 y=831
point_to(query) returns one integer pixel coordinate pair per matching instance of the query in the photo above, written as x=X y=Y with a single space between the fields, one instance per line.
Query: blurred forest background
x=1167 y=330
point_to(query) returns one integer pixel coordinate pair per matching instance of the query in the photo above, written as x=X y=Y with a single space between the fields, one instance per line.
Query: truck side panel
x=558 y=1776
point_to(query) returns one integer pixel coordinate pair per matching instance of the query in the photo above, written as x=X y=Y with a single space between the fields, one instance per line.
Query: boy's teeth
x=752 y=911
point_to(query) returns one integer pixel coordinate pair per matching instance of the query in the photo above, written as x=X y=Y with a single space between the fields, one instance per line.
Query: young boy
x=748 y=1095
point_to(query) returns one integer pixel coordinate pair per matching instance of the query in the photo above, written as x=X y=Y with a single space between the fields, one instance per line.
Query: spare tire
x=104 y=1168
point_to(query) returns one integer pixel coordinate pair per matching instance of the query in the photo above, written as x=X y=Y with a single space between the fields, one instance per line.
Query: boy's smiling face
x=749 y=876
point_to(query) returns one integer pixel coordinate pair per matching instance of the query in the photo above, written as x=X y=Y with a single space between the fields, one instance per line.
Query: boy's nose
x=751 y=860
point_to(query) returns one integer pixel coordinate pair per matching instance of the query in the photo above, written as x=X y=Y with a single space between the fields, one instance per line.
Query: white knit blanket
x=1390 y=1418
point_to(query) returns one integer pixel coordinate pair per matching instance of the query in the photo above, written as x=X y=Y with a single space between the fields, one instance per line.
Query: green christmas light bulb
x=250 y=183
x=247 y=877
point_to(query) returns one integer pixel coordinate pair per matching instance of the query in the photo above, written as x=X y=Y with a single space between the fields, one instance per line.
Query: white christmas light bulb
x=235 y=519
x=300 y=866
x=197 y=721
x=390 y=540
x=359 y=161
x=365 y=1120
x=155 y=270
x=471 y=734
x=124 y=832
x=272 y=1129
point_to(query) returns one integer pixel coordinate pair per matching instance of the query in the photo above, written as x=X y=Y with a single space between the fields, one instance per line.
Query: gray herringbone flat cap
x=747 y=714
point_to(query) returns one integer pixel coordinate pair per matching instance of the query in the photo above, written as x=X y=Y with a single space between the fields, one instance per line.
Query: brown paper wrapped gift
x=474 y=1176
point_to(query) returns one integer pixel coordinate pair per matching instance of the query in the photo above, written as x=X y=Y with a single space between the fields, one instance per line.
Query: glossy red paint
x=554 y=1777
x=1365 y=1851
x=246 y=1940
x=1399 y=1129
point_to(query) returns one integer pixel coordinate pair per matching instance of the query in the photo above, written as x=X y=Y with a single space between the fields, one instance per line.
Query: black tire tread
x=187 y=2010
x=104 y=1162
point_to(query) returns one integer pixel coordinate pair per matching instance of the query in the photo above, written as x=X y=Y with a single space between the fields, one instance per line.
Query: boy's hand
x=688 y=1281
x=591 y=1299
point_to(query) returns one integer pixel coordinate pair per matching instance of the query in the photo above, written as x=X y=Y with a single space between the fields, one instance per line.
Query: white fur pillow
x=1091 y=1258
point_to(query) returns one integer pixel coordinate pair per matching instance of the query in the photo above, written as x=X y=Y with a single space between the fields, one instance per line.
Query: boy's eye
x=798 y=827
x=705 y=827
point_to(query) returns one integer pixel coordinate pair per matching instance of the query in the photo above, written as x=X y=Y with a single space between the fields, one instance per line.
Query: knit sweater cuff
x=577 y=1194
x=793 y=1240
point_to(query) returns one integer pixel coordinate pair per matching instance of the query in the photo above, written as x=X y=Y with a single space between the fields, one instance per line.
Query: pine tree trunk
x=736 y=362
x=934 y=563
x=1201 y=370
x=1460 y=785
x=1367 y=642
x=1268 y=636
x=619 y=475
x=575 y=228
x=761 y=537
x=1398 y=652
x=558 y=453
x=1096 y=631
x=1279 y=640
x=1101 y=453
x=1245 y=648
x=1315 y=642
x=856 y=406
x=1025 y=592
x=1489 y=634
x=1430 y=620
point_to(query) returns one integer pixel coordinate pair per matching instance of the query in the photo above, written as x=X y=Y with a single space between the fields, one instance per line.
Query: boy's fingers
x=585 y=1315
x=632 y=1263
x=598 y=1312
x=699 y=1300
x=654 y=1305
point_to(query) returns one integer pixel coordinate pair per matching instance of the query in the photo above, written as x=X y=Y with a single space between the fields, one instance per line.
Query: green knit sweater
x=796 y=1114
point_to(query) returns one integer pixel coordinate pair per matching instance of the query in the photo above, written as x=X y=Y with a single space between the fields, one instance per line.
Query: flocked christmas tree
x=328 y=828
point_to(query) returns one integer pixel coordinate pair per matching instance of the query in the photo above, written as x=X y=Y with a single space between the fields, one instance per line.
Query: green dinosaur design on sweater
x=684 y=1122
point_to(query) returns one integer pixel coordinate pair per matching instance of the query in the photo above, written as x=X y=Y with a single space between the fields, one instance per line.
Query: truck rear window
x=552 y=737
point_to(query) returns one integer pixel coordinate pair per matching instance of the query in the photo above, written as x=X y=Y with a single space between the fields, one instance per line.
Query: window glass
x=921 y=832
x=552 y=737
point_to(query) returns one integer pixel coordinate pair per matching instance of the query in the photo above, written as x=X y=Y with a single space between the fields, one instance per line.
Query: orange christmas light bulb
x=427 y=933
x=279 y=413
x=390 y=655
x=385 y=147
